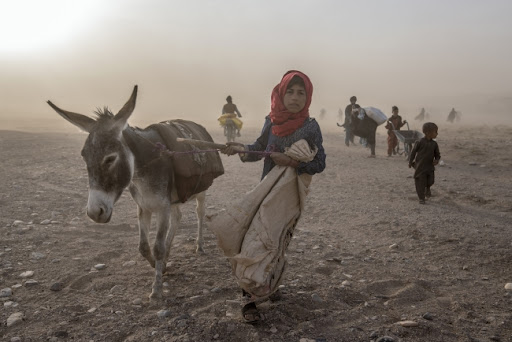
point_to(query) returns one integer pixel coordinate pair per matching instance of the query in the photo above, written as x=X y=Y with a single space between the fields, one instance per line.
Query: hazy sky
x=187 y=56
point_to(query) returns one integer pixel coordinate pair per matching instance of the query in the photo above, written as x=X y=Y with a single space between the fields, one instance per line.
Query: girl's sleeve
x=259 y=145
x=317 y=165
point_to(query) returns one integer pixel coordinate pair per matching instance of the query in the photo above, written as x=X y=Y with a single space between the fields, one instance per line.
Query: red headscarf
x=285 y=122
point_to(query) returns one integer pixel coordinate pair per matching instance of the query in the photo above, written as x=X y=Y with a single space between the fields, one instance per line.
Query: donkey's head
x=109 y=161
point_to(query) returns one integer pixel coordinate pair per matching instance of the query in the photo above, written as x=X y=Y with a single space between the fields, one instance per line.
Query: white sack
x=376 y=115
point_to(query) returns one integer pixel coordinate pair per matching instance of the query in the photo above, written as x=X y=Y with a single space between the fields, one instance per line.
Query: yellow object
x=238 y=123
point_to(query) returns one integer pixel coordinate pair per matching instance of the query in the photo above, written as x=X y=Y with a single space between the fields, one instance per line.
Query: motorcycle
x=230 y=130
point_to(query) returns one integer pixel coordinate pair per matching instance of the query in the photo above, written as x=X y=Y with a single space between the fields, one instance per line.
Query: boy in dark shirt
x=424 y=156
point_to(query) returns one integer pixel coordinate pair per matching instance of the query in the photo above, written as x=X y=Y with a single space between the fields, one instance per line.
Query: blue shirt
x=310 y=131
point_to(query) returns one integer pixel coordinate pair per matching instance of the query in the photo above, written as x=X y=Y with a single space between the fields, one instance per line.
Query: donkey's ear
x=83 y=122
x=125 y=112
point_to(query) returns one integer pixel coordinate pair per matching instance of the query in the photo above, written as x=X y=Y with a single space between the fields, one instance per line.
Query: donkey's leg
x=159 y=251
x=175 y=223
x=144 y=225
x=200 y=210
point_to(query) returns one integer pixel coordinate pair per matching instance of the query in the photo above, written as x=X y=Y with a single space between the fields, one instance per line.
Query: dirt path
x=364 y=257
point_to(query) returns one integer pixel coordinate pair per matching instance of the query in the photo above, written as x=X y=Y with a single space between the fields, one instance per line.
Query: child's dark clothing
x=423 y=184
x=422 y=158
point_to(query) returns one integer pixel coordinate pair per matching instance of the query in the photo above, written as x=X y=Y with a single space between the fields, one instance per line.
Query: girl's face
x=295 y=98
x=395 y=112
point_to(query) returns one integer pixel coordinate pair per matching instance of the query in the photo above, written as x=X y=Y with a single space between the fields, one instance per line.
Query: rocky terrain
x=367 y=262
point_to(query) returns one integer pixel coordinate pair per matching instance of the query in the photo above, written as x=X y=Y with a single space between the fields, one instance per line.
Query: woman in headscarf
x=287 y=123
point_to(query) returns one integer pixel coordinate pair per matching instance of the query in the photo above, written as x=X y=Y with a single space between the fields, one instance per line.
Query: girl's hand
x=232 y=148
x=436 y=162
x=283 y=160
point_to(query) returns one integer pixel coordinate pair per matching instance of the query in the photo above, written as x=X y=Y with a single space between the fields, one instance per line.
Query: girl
x=287 y=123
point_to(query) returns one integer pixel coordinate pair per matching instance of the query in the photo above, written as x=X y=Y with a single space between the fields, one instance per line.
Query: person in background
x=424 y=157
x=452 y=116
x=365 y=128
x=322 y=113
x=394 y=123
x=421 y=116
x=349 y=110
x=230 y=108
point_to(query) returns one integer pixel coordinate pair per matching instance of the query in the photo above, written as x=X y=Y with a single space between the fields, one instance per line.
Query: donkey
x=119 y=156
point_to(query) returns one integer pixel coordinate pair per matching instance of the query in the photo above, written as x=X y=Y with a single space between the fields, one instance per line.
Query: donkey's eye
x=109 y=160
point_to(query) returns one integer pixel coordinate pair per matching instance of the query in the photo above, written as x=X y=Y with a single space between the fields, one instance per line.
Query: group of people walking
x=355 y=119
x=424 y=155
x=453 y=116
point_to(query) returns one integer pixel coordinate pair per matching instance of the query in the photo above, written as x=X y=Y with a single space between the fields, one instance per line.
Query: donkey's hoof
x=155 y=296
x=199 y=250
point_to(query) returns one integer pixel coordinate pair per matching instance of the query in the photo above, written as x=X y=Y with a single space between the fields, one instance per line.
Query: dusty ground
x=364 y=246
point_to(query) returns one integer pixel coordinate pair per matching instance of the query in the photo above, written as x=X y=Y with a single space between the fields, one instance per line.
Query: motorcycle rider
x=230 y=108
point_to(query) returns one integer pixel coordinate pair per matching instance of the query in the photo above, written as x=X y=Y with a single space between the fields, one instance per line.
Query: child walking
x=394 y=123
x=424 y=156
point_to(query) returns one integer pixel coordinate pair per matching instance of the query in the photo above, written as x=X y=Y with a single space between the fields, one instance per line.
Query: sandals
x=251 y=314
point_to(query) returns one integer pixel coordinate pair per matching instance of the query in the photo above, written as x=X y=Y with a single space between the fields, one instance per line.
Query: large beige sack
x=230 y=226
x=255 y=233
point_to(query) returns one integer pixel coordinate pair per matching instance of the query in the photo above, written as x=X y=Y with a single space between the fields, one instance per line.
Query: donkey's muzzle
x=101 y=215
x=100 y=206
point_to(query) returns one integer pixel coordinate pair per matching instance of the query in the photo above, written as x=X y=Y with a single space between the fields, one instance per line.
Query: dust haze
x=367 y=262
x=187 y=58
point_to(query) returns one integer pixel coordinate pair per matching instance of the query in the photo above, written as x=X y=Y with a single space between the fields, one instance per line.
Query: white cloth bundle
x=376 y=115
